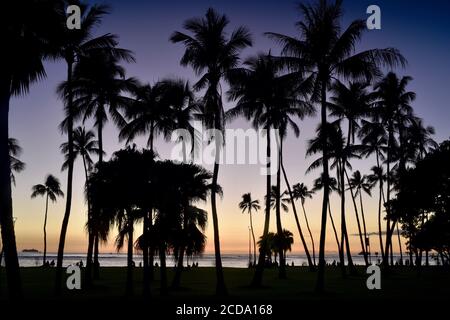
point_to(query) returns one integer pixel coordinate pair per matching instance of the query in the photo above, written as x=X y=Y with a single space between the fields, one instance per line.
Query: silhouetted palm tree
x=326 y=54
x=99 y=87
x=150 y=114
x=17 y=165
x=210 y=51
x=72 y=45
x=269 y=100
x=318 y=185
x=248 y=204
x=51 y=189
x=360 y=183
x=393 y=110
x=301 y=191
x=29 y=44
x=84 y=145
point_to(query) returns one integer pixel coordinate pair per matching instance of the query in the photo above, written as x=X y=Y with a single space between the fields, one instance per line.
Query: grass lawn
x=198 y=284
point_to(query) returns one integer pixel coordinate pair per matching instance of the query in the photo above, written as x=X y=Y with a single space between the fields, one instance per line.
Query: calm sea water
x=206 y=260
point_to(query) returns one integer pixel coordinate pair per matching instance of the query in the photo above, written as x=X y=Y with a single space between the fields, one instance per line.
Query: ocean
x=205 y=260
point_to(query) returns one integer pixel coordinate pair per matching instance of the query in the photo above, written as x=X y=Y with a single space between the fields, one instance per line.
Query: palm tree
x=269 y=100
x=393 y=110
x=15 y=151
x=340 y=153
x=210 y=51
x=361 y=183
x=84 y=145
x=184 y=107
x=29 y=43
x=72 y=45
x=301 y=191
x=378 y=176
x=150 y=114
x=247 y=204
x=318 y=185
x=99 y=87
x=51 y=189
x=326 y=53
x=374 y=138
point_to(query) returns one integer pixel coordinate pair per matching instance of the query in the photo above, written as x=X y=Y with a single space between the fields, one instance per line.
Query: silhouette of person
x=52 y=264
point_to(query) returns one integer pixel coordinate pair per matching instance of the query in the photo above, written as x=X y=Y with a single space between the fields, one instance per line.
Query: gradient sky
x=418 y=30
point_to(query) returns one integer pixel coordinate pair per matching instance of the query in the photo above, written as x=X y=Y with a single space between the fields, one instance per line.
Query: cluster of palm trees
x=317 y=68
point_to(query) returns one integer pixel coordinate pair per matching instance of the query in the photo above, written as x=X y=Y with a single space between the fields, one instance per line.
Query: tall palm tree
x=301 y=191
x=148 y=114
x=374 y=138
x=84 y=145
x=99 y=87
x=209 y=50
x=269 y=100
x=72 y=45
x=248 y=204
x=361 y=183
x=339 y=153
x=393 y=110
x=29 y=43
x=326 y=53
x=16 y=164
x=51 y=189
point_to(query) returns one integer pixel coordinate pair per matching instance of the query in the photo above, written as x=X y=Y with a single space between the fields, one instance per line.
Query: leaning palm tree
x=301 y=191
x=248 y=204
x=51 y=189
x=318 y=185
x=327 y=53
x=209 y=50
x=84 y=145
x=16 y=164
x=22 y=64
x=361 y=183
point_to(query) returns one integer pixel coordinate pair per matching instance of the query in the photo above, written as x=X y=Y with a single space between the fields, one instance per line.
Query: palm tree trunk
x=282 y=269
x=253 y=236
x=364 y=226
x=96 y=239
x=363 y=247
x=90 y=249
x=388 y=197
x=380 y=196
x=320 y=285
x=220 y=285
x=341 y=254
x=310 y=234
x=257 y=278
x=163 y=269
x=400 y=246
x=344 y=234
x=45 y=230
x=179 y=269
x=294 y=209
x=65 y=223
x=129 y=287
x=6 y=210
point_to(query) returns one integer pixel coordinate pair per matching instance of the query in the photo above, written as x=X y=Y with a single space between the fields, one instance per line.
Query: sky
x=418 y=29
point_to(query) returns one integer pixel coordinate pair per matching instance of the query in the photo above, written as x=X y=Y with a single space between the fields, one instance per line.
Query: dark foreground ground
x=402 y=288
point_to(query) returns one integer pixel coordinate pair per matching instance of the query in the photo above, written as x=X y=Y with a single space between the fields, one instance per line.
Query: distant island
x=30 y=251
